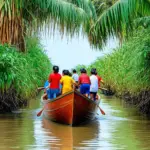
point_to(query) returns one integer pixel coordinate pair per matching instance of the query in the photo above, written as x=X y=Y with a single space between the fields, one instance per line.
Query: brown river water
x=122 y=128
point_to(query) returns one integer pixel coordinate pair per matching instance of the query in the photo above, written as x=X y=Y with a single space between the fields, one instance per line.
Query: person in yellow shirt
x=67 y=82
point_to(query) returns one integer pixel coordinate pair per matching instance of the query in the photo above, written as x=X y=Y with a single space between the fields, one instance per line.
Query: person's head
x=65 y=72
x=70 y=74
x=93 y=72
x=94 y=69
x=74 y=71
x=83 y=70
x=55 y=69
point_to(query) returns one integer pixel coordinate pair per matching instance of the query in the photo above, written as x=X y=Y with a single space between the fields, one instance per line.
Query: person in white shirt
x=75 y=77
x=94 y=85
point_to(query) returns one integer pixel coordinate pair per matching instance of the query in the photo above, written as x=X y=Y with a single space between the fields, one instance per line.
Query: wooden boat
x=70 y=108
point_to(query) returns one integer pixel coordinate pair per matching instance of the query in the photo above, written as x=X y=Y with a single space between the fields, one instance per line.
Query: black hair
x=93 y=71
x=55 y=69
x=65 y=72
x=74 y=71
x=83 y=70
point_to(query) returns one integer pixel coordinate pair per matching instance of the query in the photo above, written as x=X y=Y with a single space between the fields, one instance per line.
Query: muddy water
x=122 y=128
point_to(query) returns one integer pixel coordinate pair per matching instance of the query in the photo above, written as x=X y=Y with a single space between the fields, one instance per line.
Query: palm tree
x=18 y=15
x=102 y=5
x=118 y=20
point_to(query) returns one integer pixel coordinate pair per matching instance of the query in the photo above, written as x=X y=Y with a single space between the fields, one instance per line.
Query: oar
x=40 y=88
x=101 y=110
x=40 y=112
x=103 y=89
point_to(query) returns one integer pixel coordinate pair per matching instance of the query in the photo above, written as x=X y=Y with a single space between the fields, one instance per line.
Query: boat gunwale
x=57 y=98
x=92 y=101
x=70 y=92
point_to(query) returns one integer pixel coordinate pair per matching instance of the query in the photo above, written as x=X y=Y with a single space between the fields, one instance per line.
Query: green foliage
x=143 y=21
x=67 y=13
x=128 y=67
x=117 y=20
x=24 y=71
x=102 y=5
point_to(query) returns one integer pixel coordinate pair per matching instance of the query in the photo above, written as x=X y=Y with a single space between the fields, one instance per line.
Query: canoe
x=71 y=108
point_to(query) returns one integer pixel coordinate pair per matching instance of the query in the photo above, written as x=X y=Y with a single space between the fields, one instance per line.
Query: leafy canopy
x=69 y=13
x=117 y=20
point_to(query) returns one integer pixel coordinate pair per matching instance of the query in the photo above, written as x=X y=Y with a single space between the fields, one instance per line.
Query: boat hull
x=71 y=108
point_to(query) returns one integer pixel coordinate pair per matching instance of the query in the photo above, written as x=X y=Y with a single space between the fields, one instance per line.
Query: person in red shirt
x=54 y=80
x=84 y=82
x=100 y=80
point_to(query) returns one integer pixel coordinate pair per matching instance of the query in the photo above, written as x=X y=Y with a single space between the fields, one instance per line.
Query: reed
x=23 y=72
x=127 y=68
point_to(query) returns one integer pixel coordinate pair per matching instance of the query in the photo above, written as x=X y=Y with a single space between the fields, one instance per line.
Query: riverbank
x=21 y=74
x=140 y=101
x=126 y=70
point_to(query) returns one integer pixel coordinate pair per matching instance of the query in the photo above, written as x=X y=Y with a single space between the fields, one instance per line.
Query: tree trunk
x=12 y=29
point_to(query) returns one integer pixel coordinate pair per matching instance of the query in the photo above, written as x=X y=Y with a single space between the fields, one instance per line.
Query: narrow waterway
x=121 y=128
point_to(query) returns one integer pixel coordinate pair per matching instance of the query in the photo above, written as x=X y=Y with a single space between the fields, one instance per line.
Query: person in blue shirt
x=46 y=88
x=46 y=84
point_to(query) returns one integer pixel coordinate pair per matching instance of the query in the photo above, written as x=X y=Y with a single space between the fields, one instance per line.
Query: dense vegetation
x=22 y=73
x=20 y=16
x=126 y=70
x=117 y=18
x=97 y=18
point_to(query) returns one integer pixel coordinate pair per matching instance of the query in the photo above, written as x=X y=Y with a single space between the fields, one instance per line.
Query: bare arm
x=102 y=82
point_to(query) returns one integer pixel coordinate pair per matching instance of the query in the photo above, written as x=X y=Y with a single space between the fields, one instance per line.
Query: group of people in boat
x=58 y=84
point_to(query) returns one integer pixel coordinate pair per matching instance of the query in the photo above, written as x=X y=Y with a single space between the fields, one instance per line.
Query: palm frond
x=117 y=19
x=87 y=6
x=70 y=13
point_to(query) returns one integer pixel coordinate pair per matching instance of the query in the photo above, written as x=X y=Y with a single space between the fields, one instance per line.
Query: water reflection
x=67 y=137
x=128 y=129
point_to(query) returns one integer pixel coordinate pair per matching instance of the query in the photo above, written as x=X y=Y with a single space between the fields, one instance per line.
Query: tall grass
x=23 y=71
x=128 y=67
